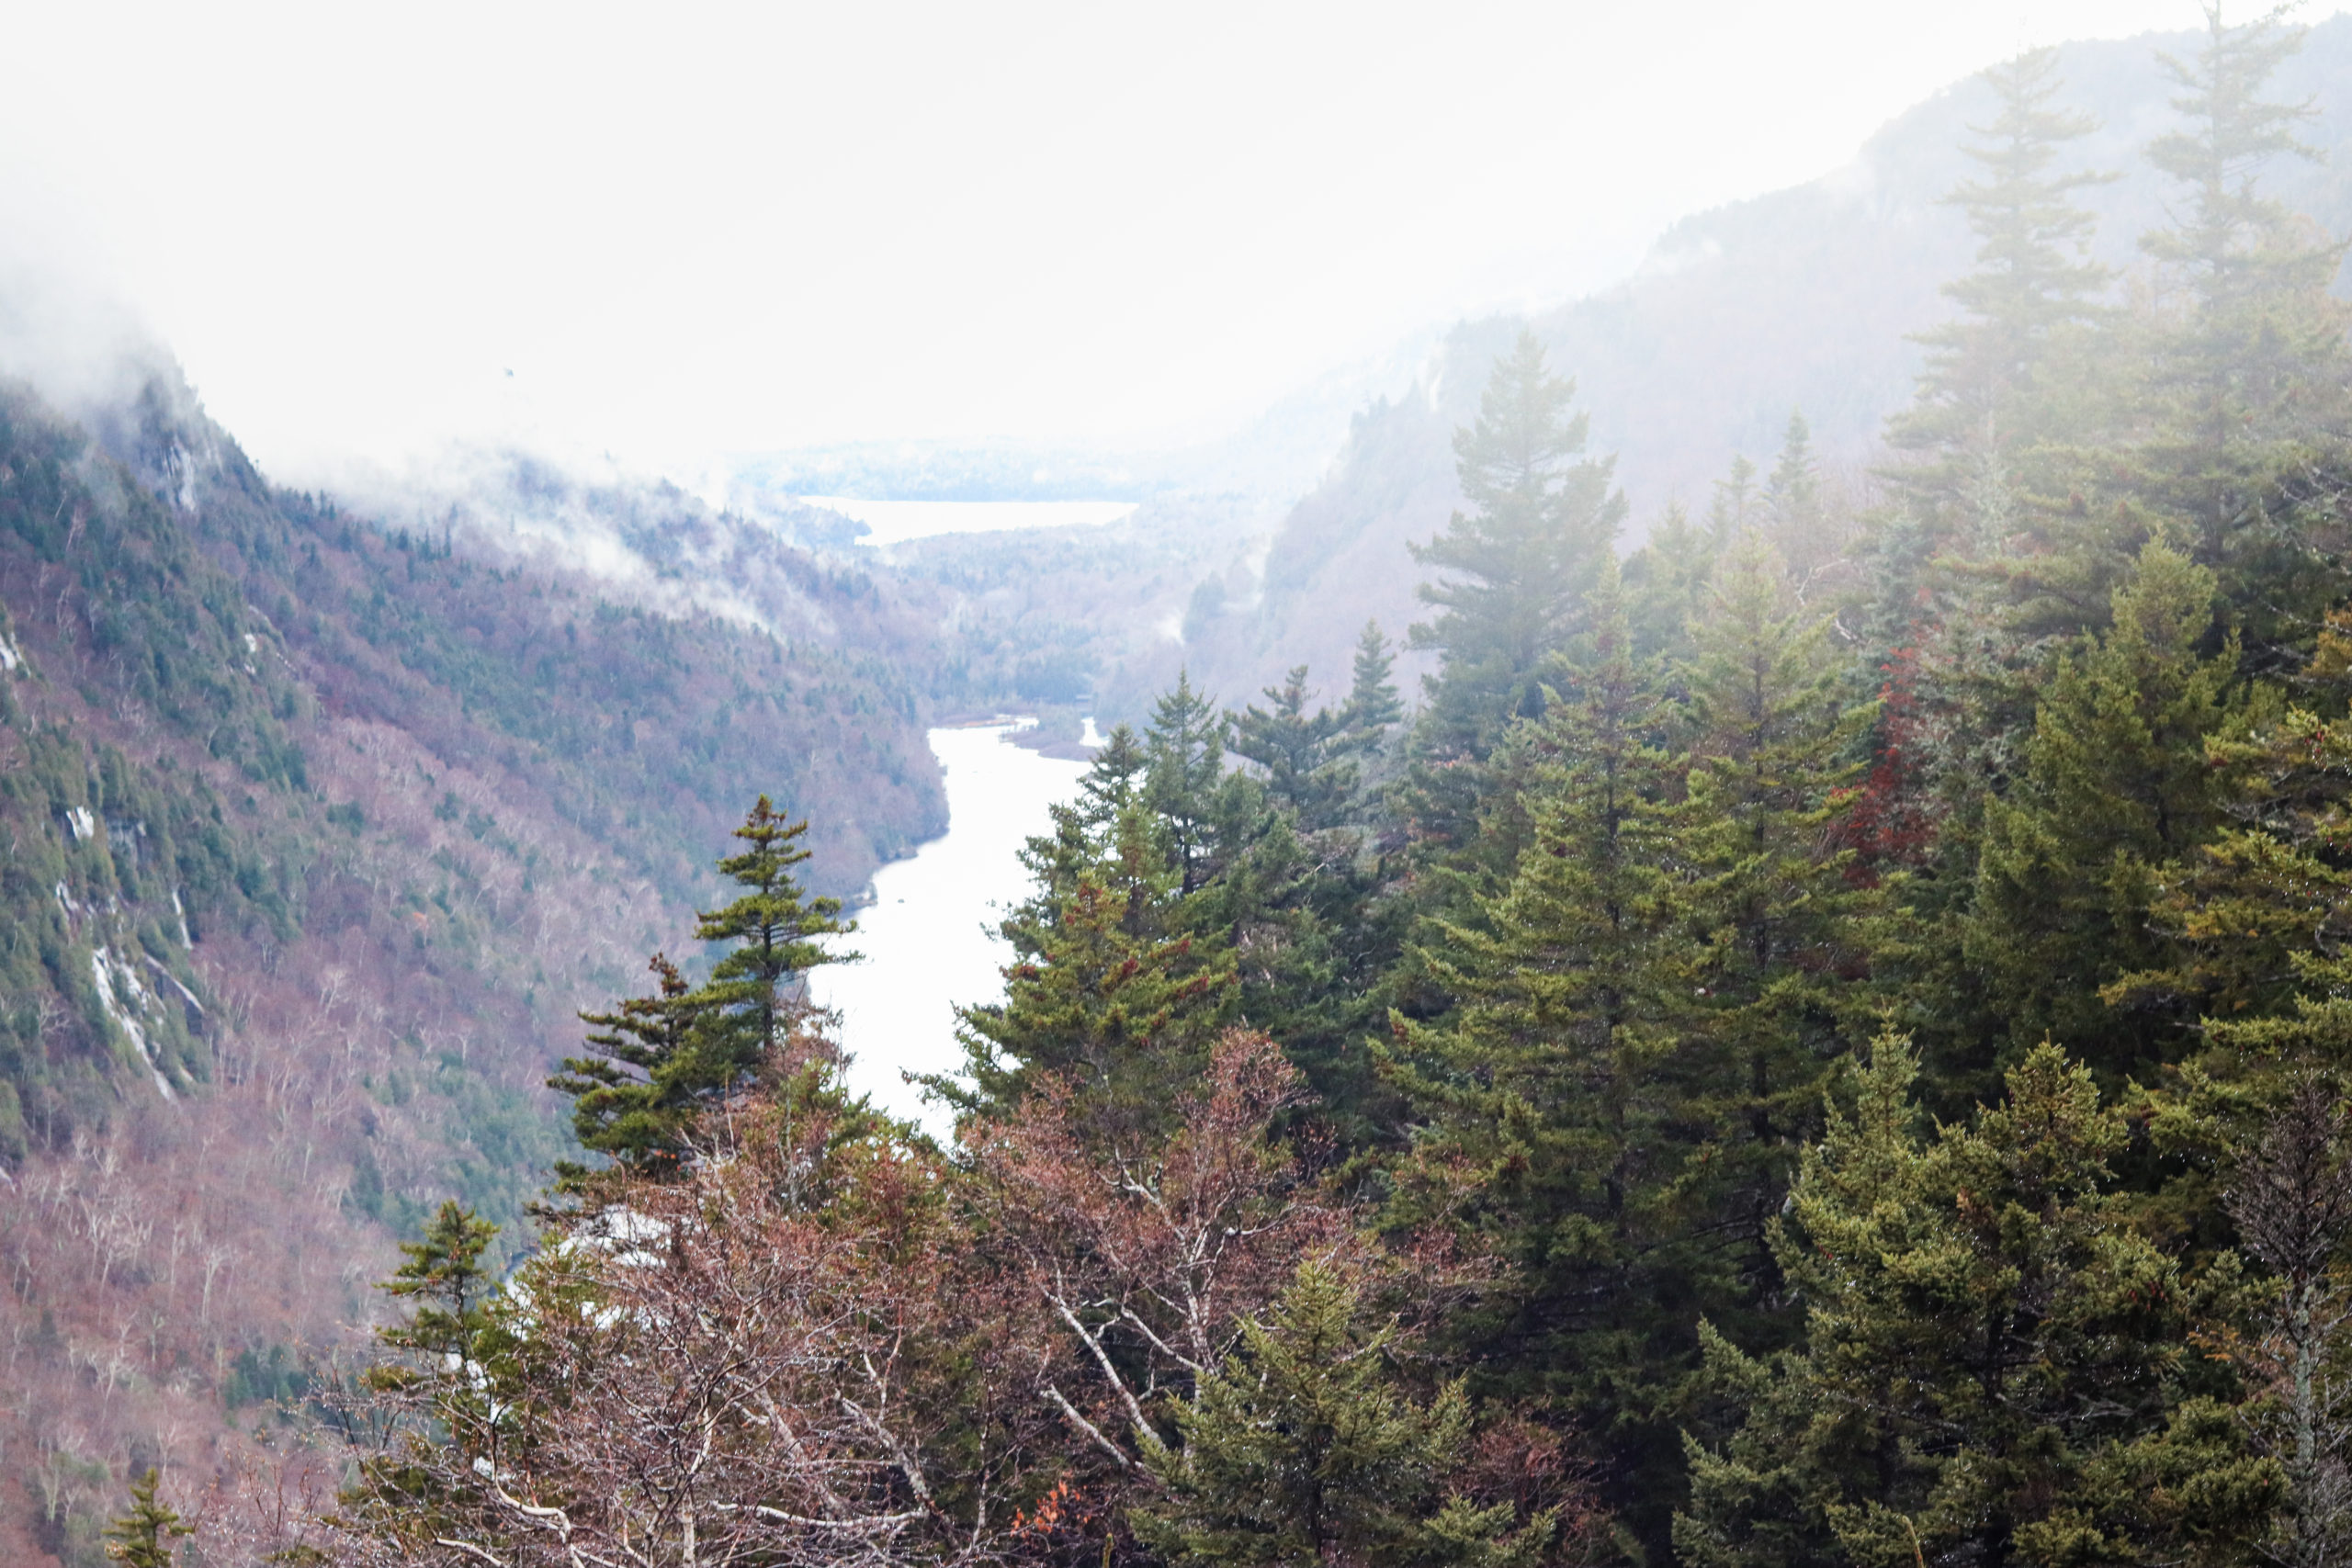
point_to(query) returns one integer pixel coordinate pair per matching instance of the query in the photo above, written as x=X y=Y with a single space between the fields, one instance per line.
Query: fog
x=668 y=236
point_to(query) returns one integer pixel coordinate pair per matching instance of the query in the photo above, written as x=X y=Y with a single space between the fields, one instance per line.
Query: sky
x=668 y=232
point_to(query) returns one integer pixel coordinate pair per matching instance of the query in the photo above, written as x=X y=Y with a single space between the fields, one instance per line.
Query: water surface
x=895 y=521
x=929 y=936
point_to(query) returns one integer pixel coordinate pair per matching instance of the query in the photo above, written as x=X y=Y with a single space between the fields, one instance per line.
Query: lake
x=895 y=521
x=929 y=936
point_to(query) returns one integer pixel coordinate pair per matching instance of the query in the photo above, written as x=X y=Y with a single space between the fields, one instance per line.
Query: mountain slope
x=320 y=835
x=1801 y=300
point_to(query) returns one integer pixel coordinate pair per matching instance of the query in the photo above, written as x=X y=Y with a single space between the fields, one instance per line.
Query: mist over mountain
x=1804 y=301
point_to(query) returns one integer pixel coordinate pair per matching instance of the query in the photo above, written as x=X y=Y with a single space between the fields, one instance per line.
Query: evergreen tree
x=1296 y=750
x=692 y=1047
x=1300 y=1451
x=1665 y=582
x=2252 y=371
x=452 y=1378
x=1559 y=1119
x=1114 y=779
x=142 y=1537
x=1985 y=390
x=1372 y=700
x=1736 y=507
x=2252 y=925
x=1956 y=609
x=1184 y=748
x=1517 y=570
x=450 y=1286
x=1103 y=993
x=2293 y=1204
x=631 y=1116
x=776 y=933
x=2116 y=784
x=1998 y=1368
x=1767 y=792
x=1793 y=492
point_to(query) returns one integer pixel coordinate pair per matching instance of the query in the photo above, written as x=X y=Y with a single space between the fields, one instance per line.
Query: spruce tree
x=1301 y=1451
x=1665 y=582
x=1296 y=748
x=1372 y=704
x=451 y=1287
x=1114 y=778
x=2293 y=1203
x=2251 y=372
x=1515 y=571
x=1185 y=753
x=777 y=933
x=1736 y=507
x=1105 y=993
x=1998 y=1368
x=2116 y=784
x=453 y=1373
x=1793 y=490
x=691 y=1047
x=1778 y=995
x=1558 y=1118
x=1986 y=389
x=142 y=1537
x=623 y=1105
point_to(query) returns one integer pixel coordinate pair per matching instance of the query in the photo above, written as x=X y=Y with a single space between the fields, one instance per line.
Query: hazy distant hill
x=1798 y=300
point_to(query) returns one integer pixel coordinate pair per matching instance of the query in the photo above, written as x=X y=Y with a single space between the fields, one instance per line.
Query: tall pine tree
x=1514 y=572
x=1558 y=1117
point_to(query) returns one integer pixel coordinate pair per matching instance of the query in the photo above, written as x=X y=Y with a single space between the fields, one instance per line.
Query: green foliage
x=451 y=1364
x=1103 y=994
x=1780 y=990
x=2250 y=378
x=774 y=928
x=1986 y=389
x=659 y=1060
x=1567 y=1119
x=1301 y=1450
x=1516 y=570
x=1185 y=753
x=619 y=1105
x=1373 y=705
x=1304 y=772
x=2116 y=784
x=142 y=1537
x=1994 y=1365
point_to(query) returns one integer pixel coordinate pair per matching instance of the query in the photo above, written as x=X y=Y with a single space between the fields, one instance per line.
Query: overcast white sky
x=693 y=229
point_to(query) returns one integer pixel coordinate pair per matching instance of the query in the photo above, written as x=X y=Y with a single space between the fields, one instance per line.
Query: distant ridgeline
x=1805 y=299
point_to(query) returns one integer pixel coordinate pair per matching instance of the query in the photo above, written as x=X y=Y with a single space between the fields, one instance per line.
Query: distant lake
x=895 y=521
x=929 y=936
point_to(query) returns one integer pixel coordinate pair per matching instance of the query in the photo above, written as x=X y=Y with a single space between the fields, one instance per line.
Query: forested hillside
x=1804 y=301
x=319 y=833
x=1821 y=1038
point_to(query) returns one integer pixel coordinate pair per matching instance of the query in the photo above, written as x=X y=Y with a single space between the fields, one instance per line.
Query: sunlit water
x=929 y=936
x=895 y=521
